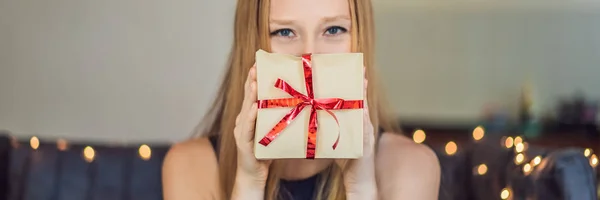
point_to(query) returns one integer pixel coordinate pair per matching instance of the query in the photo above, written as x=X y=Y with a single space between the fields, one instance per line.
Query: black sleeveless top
x=291 y=190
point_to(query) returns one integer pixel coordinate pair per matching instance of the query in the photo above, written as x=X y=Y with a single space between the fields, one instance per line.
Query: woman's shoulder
x=191 y=150
x=402 y=163
x=401 y=147
x=189 y=165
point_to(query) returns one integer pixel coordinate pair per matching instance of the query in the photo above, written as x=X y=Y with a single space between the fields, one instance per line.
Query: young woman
x=220 y=164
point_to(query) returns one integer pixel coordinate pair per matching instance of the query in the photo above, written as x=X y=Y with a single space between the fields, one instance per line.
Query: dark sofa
x=116 y=172
x=119 y=173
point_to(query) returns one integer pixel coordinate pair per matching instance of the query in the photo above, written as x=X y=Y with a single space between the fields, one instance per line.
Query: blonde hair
x=251 y=32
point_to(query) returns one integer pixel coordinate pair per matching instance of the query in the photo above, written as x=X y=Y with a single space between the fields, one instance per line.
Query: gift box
x=309 y=106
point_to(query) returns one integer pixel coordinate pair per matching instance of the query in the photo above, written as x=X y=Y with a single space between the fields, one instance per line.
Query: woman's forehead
x=293 y=10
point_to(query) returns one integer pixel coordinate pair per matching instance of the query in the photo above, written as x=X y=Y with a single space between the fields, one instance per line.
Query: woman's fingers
x=249 y=99
x=247 y=83
x=368 y=129
x=367 y=114
x=365 y=84
x=249 y=109
x=249 y=124
x=248 y=86
x=366 y=102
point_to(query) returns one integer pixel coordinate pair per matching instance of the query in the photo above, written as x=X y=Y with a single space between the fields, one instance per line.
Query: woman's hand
x=251 y=173
x=359 y=174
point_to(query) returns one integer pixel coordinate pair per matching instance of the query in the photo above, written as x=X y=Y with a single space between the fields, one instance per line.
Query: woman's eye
x=335 y=30
x=283 y=33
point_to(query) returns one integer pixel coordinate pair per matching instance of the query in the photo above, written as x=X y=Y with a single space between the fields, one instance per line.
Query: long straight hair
x=251 y=32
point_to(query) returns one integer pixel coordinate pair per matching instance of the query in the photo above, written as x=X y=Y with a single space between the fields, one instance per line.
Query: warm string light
x=518 y=140
x=482 y=169
x=587 y=152
x=451 y=148
x=519 y=158
x=519 y=147
x=536 y=161
x=527 y=169
x=505 y=194
x=145 y=152
x=594 y=160
x=89 y=154
x=478 y=133
x=419 y=136
x=61 y=144
x=34 y=142
x=508 y=142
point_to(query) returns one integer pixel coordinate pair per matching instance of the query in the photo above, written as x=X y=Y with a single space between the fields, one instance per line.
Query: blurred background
x=481 y=82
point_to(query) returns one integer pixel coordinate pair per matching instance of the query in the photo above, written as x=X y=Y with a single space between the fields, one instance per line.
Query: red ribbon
x=299 y=101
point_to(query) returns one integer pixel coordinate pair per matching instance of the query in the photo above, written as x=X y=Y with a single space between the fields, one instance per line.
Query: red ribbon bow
x=299 y=101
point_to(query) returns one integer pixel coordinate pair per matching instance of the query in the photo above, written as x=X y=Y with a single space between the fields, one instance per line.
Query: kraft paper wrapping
x=334 y=76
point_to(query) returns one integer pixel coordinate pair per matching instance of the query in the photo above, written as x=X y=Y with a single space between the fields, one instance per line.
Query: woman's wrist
x=248 y=187
x=363 y=191
x=360 y=181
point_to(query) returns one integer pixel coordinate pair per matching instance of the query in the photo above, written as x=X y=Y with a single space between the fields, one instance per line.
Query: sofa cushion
x=565 y=175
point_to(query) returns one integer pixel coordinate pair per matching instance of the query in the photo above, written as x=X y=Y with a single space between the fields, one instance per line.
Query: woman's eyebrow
x=281 y=22
x=335 y=18
x=324 y=20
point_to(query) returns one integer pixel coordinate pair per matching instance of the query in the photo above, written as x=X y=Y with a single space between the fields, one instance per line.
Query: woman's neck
x=298 y=169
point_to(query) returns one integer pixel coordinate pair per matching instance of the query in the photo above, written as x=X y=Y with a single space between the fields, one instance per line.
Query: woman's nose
x=308 y=46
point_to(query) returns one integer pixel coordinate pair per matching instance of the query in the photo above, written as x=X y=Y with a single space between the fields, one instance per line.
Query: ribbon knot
x=298 y=102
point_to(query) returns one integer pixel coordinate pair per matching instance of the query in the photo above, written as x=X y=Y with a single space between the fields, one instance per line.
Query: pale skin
x=401 y=169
